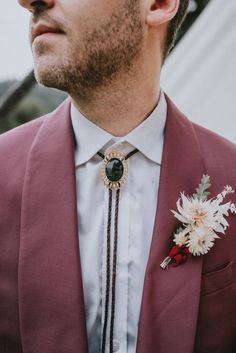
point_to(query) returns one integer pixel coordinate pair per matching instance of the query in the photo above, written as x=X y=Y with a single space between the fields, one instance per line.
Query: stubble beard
x=104 y=53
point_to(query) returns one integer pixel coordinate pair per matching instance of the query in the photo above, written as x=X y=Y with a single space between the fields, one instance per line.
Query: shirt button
x=116 y=346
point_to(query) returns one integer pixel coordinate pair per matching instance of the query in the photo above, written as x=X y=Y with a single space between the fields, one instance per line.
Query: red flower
x=179 y=254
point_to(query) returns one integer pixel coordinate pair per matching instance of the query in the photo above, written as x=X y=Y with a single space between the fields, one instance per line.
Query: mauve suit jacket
x=187 y=309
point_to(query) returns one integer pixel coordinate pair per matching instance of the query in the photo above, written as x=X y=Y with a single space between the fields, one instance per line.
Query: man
x=80 y=255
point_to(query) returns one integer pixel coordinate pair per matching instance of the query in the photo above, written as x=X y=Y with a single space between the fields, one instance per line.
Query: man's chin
x=47 y=76
x=40 y=74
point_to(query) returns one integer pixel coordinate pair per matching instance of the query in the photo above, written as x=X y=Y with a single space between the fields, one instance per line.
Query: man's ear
x=161 y=11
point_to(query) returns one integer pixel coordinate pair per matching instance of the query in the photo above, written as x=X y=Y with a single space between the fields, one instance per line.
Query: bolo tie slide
x=114 y=173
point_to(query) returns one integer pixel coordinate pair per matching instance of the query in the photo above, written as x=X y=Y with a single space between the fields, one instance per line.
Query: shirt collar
x=89 y=137
x=147 y=137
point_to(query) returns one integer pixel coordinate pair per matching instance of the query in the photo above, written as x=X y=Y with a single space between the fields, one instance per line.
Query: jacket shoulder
x=18 y=141
x=21 y=136
x=210 y=138
x=15 y=146
x=214 y=144
x=218 y=152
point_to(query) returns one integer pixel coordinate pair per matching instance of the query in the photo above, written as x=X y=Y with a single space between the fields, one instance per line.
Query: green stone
x=114 y=169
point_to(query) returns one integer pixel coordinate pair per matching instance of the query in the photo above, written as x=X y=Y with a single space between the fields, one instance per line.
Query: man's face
x=80 y=45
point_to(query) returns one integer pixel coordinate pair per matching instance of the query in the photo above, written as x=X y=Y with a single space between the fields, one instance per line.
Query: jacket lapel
x=52 y=316
x=171 y=297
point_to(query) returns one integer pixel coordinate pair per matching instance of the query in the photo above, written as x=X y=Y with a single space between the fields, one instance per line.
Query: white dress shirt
x=138 y=201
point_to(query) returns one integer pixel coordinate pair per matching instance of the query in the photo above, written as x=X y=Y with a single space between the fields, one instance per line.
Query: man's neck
x=121 y=106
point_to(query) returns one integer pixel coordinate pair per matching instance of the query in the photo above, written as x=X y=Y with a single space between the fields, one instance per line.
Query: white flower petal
x=201 y=241
x=180 y=239
x=179 y=217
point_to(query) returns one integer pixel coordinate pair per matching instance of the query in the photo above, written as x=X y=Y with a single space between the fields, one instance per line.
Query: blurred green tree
x=28 y=108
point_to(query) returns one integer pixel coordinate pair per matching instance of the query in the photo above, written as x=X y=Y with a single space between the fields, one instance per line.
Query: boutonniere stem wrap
x=202 y=220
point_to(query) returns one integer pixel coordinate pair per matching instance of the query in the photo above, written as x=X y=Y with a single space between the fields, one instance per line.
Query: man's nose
x=32 y=4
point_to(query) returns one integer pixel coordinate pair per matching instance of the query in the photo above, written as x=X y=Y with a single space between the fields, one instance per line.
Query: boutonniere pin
x=202 y=220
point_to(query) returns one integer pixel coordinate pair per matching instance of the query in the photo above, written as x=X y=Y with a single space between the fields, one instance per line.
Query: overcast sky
x=15 y=56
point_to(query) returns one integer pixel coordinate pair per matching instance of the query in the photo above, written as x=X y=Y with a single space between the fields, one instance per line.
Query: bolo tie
x=114 y=173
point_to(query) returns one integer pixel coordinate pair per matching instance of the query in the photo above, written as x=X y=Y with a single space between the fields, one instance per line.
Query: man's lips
x=42 y=29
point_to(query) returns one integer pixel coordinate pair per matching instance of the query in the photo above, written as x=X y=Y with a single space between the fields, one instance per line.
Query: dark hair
x=174 y=26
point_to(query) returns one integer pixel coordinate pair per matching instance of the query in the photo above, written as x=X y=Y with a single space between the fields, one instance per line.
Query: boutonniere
x=202 y=220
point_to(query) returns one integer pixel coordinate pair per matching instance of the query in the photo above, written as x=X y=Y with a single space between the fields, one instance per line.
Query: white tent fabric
x=200 y=73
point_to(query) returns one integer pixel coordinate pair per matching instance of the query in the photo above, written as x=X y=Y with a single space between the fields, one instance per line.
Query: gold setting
x=114 y=185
